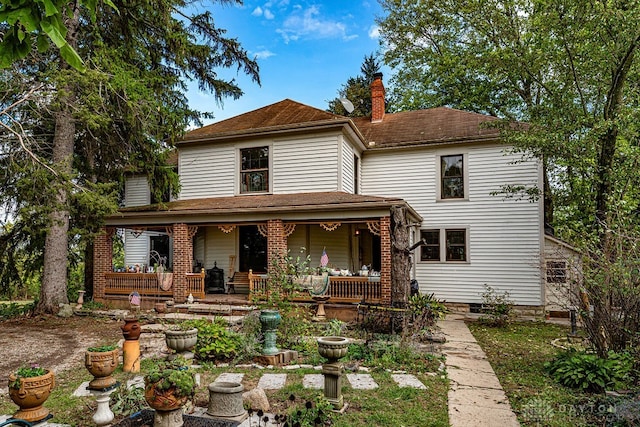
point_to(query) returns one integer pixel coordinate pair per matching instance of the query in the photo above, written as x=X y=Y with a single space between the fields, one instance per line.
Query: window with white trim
x=444 y=245
x=254 y=170
x=452 y=177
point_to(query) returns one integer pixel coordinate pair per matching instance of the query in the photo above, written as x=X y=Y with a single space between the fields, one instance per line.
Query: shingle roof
x=431 y=126
x=434 y=125
x=286 y=113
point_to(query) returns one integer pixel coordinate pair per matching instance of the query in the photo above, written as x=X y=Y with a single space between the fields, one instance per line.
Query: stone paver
x=408 y=380
x=314 y=381
x=475 y=396
x=362 y=381
x=272 y=381
x=230 y=377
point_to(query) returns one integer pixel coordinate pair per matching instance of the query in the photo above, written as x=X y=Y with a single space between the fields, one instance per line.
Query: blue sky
x=306 y=50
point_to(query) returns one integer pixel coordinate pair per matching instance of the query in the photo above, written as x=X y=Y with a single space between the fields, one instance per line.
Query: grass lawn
x=387 y=405
x=517 y=354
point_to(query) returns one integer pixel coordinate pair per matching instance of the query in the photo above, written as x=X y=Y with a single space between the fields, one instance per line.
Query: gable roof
x=431 y=126
x=286 y=114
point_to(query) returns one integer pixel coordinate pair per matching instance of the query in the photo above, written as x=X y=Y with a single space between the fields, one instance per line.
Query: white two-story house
x=290 y=176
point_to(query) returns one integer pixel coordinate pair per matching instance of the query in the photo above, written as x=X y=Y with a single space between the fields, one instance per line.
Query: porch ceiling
x=298 y=206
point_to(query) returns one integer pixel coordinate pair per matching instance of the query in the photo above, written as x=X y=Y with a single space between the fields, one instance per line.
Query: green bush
x=497 y=308
x=588 y=372
x=12 y=310
x=426 y=309
x=215 y=340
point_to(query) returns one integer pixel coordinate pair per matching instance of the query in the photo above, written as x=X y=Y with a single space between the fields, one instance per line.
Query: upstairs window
x=254 y=170
x=452 y=177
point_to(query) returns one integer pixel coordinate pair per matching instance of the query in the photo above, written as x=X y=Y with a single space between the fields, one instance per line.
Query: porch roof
x=297 y=206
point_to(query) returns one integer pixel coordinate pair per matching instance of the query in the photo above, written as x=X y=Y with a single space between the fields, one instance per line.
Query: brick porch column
x=385 y=259
x=102 y=260
x=276 y=240
x=182 y=261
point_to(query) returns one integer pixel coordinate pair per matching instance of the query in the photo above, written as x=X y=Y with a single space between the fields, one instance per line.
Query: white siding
x=207 y=171
x=218 y=247
x=336 y=243
x=306 y=164
x=136 y=191
x=347 y=167
x=504 y=234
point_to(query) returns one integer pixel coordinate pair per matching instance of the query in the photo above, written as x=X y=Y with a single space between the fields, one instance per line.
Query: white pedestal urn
x=181 y=341
x=333 y=348
x=104 y=415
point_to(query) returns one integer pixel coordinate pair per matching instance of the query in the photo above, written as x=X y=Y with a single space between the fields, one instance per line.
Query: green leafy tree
x=570 y=70
x=34 y=24
x=71 y=135
x=357 y=90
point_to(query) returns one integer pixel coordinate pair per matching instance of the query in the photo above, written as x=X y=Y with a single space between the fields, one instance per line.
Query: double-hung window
x=452 y=177
x=444 y=245
x=254 y=170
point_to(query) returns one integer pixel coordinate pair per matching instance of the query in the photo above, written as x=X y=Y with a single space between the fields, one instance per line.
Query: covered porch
x=208 y=253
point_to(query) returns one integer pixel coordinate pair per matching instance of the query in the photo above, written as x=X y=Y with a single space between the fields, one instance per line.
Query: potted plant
x=101 y=361
x=169 y=385
x=29 y=388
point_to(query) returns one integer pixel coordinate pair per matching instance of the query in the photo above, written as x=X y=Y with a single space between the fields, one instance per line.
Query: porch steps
x=215 y=309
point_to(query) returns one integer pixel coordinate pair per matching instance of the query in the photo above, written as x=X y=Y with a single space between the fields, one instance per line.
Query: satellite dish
x=347 y=105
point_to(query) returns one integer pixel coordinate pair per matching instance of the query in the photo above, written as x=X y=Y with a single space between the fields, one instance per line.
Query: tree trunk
x=400 y=259
x=53 y=290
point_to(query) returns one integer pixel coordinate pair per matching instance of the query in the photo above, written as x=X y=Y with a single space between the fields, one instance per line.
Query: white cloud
x=262 y=54
x=308 y=23
x=374 y=32
x=257 y=11
x=268 y=14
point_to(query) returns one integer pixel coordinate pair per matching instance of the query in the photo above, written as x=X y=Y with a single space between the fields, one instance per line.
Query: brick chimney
x=377 y=98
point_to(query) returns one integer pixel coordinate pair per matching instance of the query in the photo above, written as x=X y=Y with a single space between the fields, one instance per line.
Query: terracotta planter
x=101 y=365
x=163 y=400
x=30 y=396
x=181 y=341
x=131 y=329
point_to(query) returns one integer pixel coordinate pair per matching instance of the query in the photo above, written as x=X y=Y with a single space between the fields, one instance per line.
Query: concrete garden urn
x=225 y=401
x=101 y=364
x=181 y=341
x=333 y=348
x=29 y=393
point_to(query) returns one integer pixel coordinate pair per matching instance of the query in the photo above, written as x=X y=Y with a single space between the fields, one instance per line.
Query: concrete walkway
x=476 y=397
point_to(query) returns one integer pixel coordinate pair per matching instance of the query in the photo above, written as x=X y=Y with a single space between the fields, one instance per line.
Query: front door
x=253 y=249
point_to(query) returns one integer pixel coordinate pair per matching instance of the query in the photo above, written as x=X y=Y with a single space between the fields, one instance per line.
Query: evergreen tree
x=70 y=135
x=357 y=90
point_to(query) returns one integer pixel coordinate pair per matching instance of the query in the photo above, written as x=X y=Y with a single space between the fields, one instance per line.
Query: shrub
x=12 y=310
x=426 y=309
x=127 y=400
x=215 y=340
x=497 y=308
x=588 y=372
